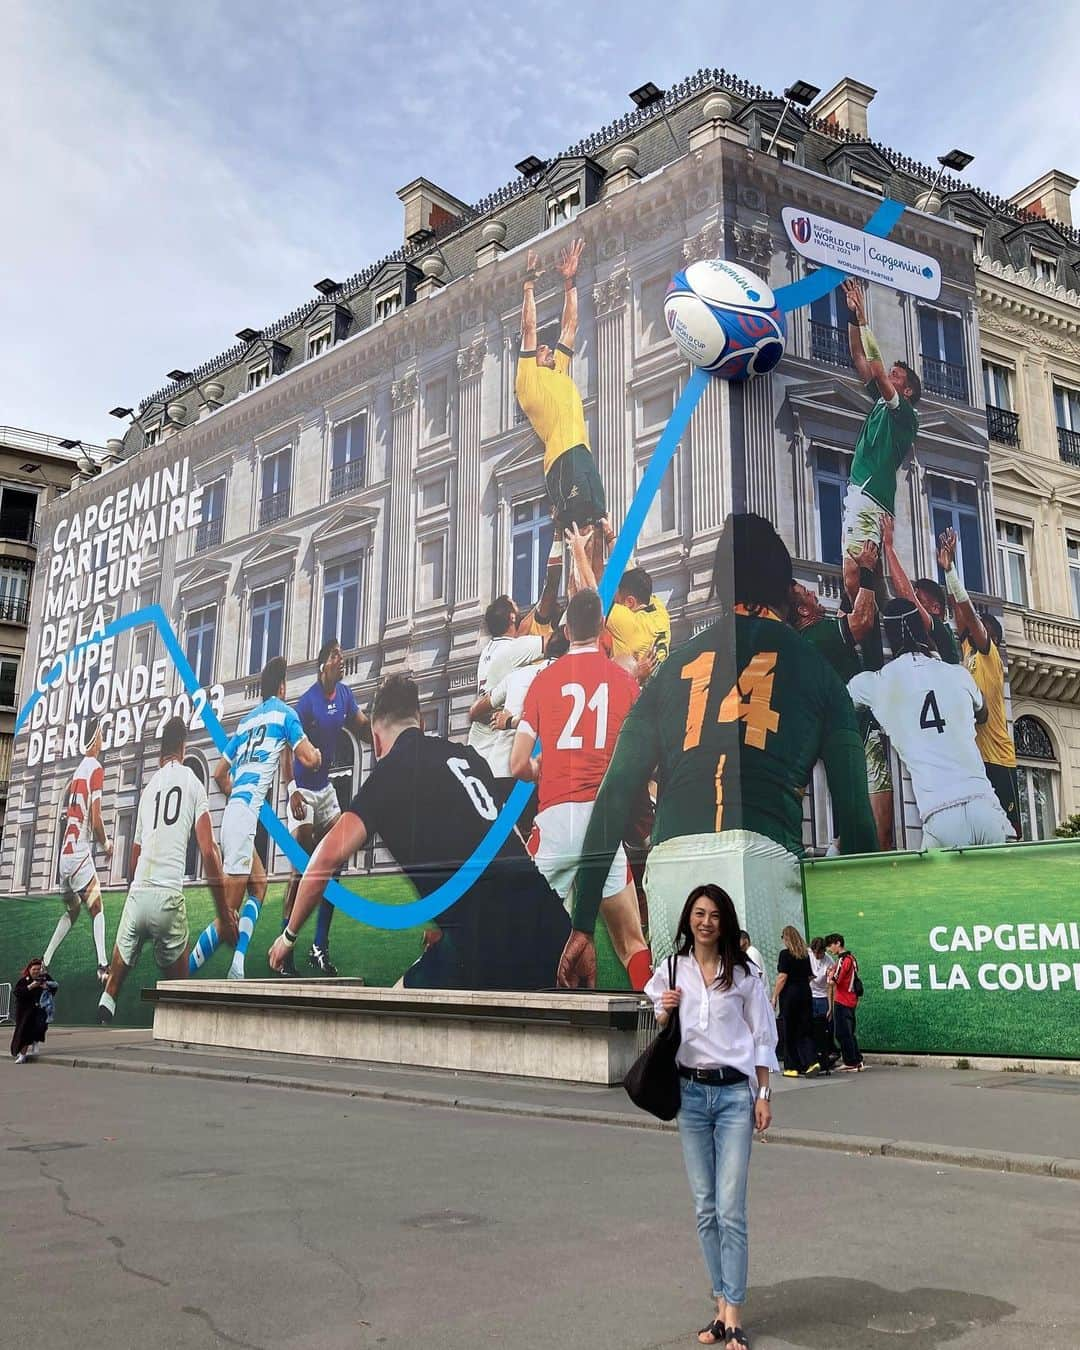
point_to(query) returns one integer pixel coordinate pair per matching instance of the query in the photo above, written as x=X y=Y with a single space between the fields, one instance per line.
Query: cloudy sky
x=172 y=173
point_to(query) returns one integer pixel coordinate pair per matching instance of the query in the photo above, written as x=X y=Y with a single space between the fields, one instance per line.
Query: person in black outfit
x=791 y=997
x=431 y=801
x=33 y=994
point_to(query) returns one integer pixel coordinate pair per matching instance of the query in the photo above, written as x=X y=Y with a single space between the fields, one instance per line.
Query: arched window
x=1037 y=772
x=193 y=862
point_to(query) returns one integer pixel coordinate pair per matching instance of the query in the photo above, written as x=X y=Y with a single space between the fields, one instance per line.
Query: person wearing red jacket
x=842 y=977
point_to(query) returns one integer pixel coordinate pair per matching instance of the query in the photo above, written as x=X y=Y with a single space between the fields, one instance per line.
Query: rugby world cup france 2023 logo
x=801 y=229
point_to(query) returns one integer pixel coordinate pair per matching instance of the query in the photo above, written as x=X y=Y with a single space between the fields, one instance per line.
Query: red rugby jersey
x=576 y=707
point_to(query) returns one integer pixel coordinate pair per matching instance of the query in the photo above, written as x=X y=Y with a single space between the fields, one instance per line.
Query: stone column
x=706 y=454
x=758 y=439
x=613 y=455
x=400 y=560
x=470 y=365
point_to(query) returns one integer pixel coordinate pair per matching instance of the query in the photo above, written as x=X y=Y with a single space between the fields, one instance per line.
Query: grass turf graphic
x=378 y=956
x=886 y=906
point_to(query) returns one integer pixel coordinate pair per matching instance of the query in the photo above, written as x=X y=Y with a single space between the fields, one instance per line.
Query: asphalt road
x=145 y=1211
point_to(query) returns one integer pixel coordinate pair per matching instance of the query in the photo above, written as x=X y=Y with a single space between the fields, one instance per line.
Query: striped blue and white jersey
x=253 y=751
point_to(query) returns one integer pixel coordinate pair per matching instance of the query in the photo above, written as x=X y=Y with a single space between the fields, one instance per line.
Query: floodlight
x=121 y=412
x=957 y=160
x=249 y=334
x=530 y=166
x=178 y=376
x=647 y=94
x=65 y=445
x=327 y=286
x=802 y=92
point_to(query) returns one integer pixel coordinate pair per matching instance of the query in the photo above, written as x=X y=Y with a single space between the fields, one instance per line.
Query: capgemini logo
x=800 y=228
x=928 y=272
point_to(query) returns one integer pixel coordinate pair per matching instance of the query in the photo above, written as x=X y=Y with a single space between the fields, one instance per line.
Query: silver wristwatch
x=764 y=1094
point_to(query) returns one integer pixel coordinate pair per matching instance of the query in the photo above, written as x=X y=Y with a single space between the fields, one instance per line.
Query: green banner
x=972 y=952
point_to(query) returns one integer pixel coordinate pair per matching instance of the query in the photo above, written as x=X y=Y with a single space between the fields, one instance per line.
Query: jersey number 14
x=749 y=700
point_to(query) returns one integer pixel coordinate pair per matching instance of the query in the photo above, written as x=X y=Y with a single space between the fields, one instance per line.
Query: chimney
x=1048 y=196
x=845 y=106
x=428 y=207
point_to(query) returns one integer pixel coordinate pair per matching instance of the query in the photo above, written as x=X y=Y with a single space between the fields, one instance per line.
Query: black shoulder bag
x=652 y=1081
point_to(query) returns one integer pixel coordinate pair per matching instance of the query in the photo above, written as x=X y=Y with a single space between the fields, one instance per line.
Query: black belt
x=712 y=1077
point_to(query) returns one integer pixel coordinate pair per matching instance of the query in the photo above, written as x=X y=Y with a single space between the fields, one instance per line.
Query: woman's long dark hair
x=35 y=961
x=731 y=955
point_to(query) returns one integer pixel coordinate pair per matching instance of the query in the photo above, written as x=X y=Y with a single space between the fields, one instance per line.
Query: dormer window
x=388 y=303
x=1044 y=266
x=868 y=184
x=319 y=342
x=258 y=375
x=153 y=434
x=784 y=150
x=564 y=207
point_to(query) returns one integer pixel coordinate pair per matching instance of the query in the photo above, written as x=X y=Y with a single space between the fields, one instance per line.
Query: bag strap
x=672 y=969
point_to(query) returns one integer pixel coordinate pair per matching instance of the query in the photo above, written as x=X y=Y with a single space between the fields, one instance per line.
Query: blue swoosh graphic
x=395 y=917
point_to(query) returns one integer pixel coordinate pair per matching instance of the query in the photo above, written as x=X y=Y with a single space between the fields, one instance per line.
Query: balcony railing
x=209 y=534
x=945 y=378
x=20 y=527
x=1002 y=426
x=829 y=344
x=1069 y=446
x=14 y=609
x=347 y=477
x=274 y=508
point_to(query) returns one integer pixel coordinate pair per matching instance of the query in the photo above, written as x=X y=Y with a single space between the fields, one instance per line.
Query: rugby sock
x=63 y=928
x=99 y=937
x=249 y=914
x=107 y=1001
x=639 y=968
x=322 y=925
x=207 y=945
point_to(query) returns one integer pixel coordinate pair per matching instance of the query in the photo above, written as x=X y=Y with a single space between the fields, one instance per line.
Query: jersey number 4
x=930 y=719
x=747 y=701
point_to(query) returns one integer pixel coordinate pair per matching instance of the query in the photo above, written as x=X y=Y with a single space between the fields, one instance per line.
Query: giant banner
x=608 y=576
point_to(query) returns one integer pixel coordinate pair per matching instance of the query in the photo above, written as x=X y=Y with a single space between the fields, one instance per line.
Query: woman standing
x=728 y=1046
x=791 y=998
x=33 y=994
x=821 y=1003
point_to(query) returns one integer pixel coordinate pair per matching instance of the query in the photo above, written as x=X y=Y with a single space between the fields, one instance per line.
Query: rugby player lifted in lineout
x=884 y=443
x=550 y=400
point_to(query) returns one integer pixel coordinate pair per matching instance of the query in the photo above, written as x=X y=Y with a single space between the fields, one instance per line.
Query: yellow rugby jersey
x=551 y=402
x=992 y=736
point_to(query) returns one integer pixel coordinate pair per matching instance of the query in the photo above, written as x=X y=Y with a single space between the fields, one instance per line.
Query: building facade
x=1029 y=308
x=35 y=470
x=367 y=473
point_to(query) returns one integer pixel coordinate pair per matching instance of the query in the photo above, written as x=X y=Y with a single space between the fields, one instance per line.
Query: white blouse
x=733 y=1028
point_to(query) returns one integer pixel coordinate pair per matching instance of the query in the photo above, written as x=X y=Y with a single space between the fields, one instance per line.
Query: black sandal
x=736 y=1336
x=716 y=1330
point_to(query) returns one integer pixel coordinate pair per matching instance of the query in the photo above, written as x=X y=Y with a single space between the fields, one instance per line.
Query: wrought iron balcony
x=19 y=527
x=1002 y=426
x=274 y=508
x=348 y=477
x=14 y=609
x=829 y=344
x=945 y=378
x=1069 y=446
x=209 y=534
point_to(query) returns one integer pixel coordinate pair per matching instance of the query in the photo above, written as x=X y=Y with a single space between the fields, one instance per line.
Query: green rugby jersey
x=884 y=443
x=944 y=639
x=733 y=736
x=832 y=637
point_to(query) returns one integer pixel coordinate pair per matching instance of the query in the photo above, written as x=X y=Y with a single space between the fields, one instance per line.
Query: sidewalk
x=1015 y=1122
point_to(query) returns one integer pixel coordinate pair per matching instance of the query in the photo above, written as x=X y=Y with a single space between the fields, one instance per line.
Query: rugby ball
x=725 y=319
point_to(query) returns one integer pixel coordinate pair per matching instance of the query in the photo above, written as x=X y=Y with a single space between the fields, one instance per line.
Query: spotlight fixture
x=802 y=92
x=650 y=95
x=530 y=166
x=249 y=334
x=65 y=445
x=327 y=286
x=957 y=160
x=120 y=412
x=178 y=376
x=420 y=236
x=799 y=91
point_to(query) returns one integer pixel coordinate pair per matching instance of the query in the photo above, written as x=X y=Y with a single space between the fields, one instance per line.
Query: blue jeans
x=716 y=1126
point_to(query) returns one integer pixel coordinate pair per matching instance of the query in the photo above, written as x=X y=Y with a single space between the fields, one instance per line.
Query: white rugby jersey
x=171 y=803
x=927 y=709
